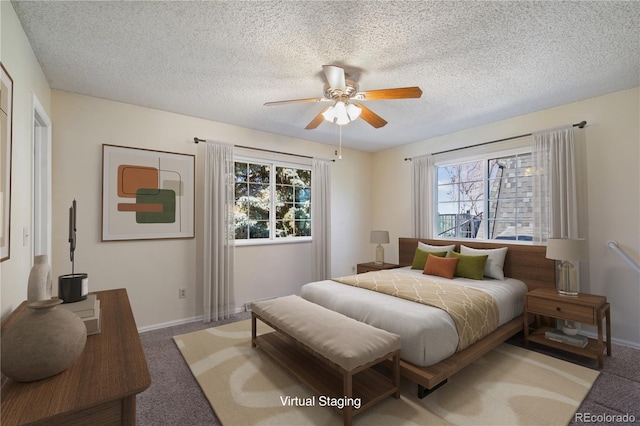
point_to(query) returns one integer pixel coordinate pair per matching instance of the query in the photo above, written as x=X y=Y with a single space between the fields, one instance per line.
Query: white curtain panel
x=423 y=170
x=219 y=234
x=555 y=185
x=321 y=219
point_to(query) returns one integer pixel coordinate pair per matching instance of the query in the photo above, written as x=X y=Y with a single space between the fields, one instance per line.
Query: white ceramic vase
x=43 y=341
x=39 y=286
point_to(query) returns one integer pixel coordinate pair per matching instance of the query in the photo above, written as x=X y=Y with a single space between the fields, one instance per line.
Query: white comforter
x=428 y=335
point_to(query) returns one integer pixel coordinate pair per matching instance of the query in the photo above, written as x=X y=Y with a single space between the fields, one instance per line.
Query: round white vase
x=39 y=286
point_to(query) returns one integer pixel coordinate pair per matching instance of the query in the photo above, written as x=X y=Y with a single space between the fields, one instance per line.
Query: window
x=486 y=198
x=272 y=201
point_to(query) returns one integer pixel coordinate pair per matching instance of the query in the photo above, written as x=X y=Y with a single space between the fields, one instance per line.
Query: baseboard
x=180 y=322
x=169 y=324
x=620 y=342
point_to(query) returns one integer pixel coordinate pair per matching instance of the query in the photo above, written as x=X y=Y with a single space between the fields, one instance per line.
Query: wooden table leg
x=600 y=345
x=608 y=319
x=253 y=330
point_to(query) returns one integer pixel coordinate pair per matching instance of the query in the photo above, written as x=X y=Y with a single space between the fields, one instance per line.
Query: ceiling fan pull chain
x=340 y=147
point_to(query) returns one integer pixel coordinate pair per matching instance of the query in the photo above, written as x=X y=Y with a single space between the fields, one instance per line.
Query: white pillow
x=428 y=247
x=495 y=262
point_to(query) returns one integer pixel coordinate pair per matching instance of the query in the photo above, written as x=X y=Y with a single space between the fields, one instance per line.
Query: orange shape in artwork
x=131 y=178
x=140 y=207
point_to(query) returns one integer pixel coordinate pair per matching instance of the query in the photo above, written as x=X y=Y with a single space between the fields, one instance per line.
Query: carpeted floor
x=175 y=398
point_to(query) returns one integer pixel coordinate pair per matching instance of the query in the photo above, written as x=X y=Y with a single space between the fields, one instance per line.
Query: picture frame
x=6 y=139
x=147 y=194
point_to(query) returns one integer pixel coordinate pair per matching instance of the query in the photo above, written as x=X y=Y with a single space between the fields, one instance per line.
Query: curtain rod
x=579 y=125
x=196 y=140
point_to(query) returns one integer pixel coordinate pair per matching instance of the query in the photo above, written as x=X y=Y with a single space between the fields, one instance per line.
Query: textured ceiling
x=476 y=62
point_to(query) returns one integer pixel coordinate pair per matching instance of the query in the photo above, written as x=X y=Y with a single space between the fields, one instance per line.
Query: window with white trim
x=487 y=197
x=272 y=201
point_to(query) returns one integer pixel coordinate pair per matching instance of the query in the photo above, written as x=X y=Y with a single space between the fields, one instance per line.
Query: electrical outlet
x=353 y=268
x=182 y=293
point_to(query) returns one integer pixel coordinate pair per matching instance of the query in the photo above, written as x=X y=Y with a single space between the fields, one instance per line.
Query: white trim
x=181 y=321
x=43 y=153
x=169 y=324
x=620 y=342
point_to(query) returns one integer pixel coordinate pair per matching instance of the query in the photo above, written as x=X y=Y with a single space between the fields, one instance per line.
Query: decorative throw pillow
x=470 y=266
x=494 y=267
x=440 y=266
x=431 y=248
x=420 y=258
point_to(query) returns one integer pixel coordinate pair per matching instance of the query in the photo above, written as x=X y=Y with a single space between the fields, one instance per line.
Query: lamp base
x=567 y=284
x=379 y=255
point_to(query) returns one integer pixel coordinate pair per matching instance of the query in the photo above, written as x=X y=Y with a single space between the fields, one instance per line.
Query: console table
x=100 y=387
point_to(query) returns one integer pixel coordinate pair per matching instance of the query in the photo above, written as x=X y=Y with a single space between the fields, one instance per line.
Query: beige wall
x=153 y=271
x=28 y=80
x=613 y=153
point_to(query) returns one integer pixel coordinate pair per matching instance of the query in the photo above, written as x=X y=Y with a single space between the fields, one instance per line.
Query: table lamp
x=379 y=237
x=566 y=250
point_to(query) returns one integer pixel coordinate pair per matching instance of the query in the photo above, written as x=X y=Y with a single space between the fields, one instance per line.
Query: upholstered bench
x=329 y=352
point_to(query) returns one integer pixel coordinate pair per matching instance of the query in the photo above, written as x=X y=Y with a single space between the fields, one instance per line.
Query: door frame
x=41 y=176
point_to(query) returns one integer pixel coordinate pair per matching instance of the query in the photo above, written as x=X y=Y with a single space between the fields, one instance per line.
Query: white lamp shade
x=341 y=113
x=567 y=249
x=379 y=237
x=329 y=114
x=353 y=111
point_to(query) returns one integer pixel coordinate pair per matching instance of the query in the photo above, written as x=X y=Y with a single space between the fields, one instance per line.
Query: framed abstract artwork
x=6 y=121
x=147 y=194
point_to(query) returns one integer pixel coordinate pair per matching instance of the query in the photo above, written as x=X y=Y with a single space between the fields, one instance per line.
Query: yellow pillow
x=420 y=258
x=470 y=266
x=440 y=266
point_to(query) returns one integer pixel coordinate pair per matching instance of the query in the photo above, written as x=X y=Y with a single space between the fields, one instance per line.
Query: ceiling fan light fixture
x=341 y=113
x=353 y=112
x=329 y=114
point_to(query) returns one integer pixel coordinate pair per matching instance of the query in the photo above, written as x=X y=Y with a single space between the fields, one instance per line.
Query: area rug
x=508 y=386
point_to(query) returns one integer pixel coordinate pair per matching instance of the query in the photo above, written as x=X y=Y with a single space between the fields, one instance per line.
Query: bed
x=430 y=352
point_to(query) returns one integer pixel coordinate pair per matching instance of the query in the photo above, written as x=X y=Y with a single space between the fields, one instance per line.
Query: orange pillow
x=440 y=266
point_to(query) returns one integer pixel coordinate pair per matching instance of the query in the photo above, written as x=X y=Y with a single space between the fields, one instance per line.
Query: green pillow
x=470 y=266
x=420 y=258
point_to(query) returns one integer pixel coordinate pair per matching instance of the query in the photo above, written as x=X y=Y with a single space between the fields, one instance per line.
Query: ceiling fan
x=343 y=94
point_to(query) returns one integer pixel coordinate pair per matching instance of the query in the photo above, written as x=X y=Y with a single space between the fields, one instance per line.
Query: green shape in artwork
x=159 y=197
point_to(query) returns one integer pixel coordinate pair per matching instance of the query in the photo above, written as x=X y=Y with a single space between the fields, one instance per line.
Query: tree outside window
x=271 y=201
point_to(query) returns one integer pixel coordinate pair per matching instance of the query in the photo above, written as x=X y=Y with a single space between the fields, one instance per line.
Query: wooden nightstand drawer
x=564 y=310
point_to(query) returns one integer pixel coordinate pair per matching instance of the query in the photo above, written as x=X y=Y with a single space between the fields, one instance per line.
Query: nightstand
x=373 y=266
x=584 y=308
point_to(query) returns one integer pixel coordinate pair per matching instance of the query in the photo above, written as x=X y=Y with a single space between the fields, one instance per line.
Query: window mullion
x=272 y=201
x=486 y=191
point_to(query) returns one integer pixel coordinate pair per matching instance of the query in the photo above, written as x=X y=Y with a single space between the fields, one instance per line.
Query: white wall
x=28 y=80
x=153 y=271
x=613 y=153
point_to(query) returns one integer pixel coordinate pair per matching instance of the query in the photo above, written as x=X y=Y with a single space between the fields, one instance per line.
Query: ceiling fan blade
x=335 y=77
x=398 y=93
x=296 y=101
x=371 y=117
x=317 y=119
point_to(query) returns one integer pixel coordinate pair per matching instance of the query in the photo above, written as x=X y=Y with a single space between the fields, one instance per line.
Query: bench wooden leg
x=396 y=376
x=347 y=411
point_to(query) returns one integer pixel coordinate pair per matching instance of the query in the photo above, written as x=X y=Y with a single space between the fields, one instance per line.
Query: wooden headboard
x=524 y=262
